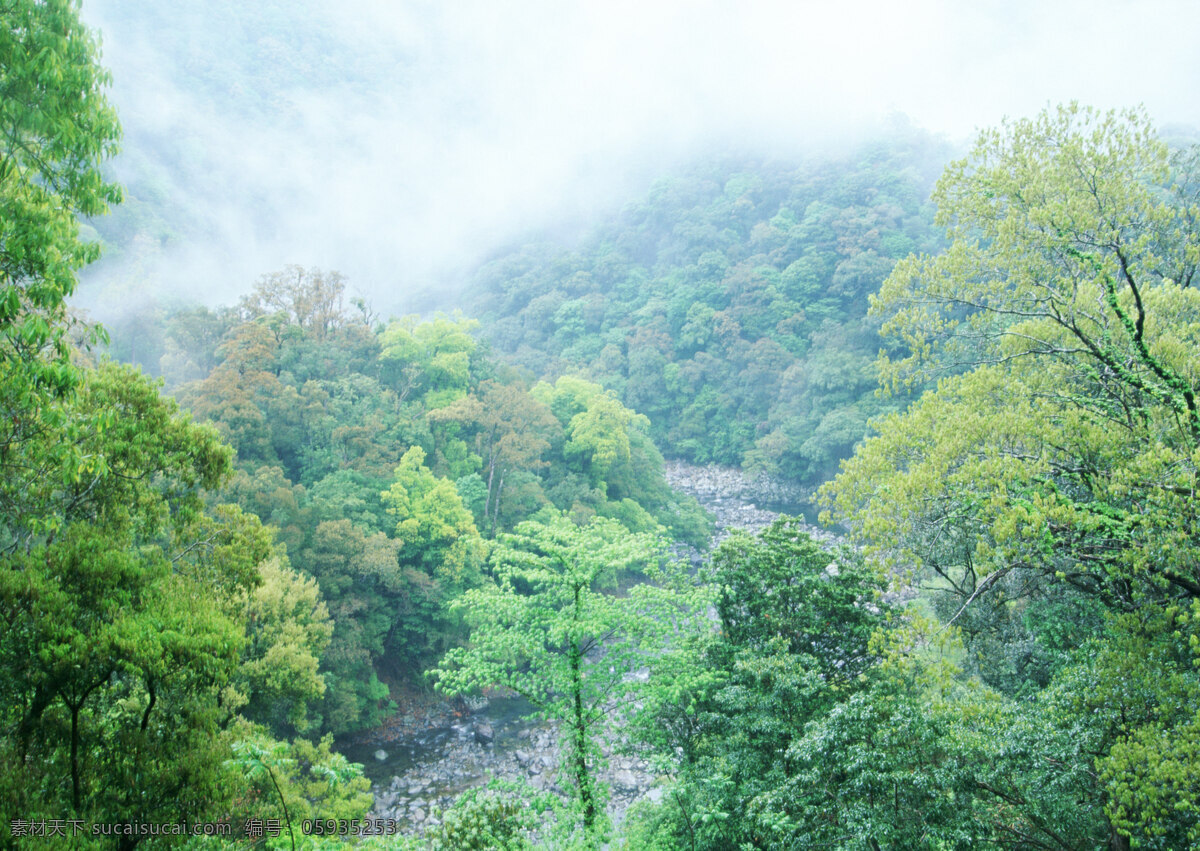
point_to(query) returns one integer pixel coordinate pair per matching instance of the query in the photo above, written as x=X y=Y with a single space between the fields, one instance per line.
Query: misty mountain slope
x=262 y=134
x=728 y=304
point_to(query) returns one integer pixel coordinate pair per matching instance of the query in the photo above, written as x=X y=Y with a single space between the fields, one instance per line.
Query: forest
x=236 y=539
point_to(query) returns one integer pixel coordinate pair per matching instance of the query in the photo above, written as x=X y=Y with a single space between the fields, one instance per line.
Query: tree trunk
x=487 y=502
x=582 y=778
x=1117 y=841
x=496 y=505
x=75 y=796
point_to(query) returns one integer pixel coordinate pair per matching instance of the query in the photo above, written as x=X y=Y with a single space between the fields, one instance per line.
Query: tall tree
x=436 y=531
x=429 y=359
x=309 y=298
x=123 y=600
x=512 y=432
x=797 y=638
x=548 y=630
x=56 y=129
x=1061 y=444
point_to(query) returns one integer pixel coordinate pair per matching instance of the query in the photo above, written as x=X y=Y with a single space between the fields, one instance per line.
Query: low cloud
x=400 y=142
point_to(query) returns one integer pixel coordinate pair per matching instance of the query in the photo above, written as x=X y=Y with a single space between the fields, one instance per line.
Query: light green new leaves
x=431 y=358
x=1047 y=217
x=598 y=426
x=436 y=531
x=56 y=128
x=554 y=629
x=1060 y=449
x=548 y=598
x=288 y=629
x=1067 y=440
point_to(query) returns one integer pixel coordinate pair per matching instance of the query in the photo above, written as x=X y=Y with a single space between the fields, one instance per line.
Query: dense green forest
x=730 y=305
x=315 y=512
x=384 y=456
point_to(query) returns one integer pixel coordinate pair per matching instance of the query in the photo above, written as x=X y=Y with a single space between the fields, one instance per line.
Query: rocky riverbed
x=421 y=760
x=740 y=501
x=513 y=750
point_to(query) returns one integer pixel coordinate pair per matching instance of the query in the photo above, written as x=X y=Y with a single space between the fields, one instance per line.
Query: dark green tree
x=797 y=640
x=123 y=599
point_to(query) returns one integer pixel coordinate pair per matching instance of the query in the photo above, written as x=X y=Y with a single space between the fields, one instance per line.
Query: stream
x=415 y=776
x=420 y=766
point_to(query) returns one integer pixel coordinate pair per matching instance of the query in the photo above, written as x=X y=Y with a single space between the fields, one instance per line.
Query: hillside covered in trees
x=318 y=511
x=328 y=412
x=730 y=304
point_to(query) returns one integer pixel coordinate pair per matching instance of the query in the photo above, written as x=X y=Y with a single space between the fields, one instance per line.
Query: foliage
x=483 y=820
x=728 y=305
x=429 y=359
x=307 y=298
x=512 y=432
x=433 y=528
x=796 y=643
x=121 y=595
x=297 y=781
x=548 y=630
x=56 y=129
x=139 y=615
x=609 y=466
x=1051 y=472
x=288 y=629
x=379 y=454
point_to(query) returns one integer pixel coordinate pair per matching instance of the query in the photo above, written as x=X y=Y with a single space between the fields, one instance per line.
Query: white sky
x=488 y=118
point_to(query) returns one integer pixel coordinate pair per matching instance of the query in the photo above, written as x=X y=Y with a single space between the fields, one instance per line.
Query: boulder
x=625 y=779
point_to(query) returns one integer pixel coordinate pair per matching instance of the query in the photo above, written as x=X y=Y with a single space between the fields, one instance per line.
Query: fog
x=399 y=142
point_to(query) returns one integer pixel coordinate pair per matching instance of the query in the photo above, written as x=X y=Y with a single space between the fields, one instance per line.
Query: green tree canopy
x=56 y=129
x=432 y=359
x=433 y=527
x=547 y=629
x=1062 y=443
x=798 y=639
x=122 y=597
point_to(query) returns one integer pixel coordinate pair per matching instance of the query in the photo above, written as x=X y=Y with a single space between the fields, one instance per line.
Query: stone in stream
x=625 y=779
x=381 y=755
x=484 y=734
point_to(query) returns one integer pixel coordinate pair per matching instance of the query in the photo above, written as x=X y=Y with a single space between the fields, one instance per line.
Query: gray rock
x=625 y=779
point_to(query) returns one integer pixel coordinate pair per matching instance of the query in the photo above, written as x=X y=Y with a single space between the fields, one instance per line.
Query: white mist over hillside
x=399 y=142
